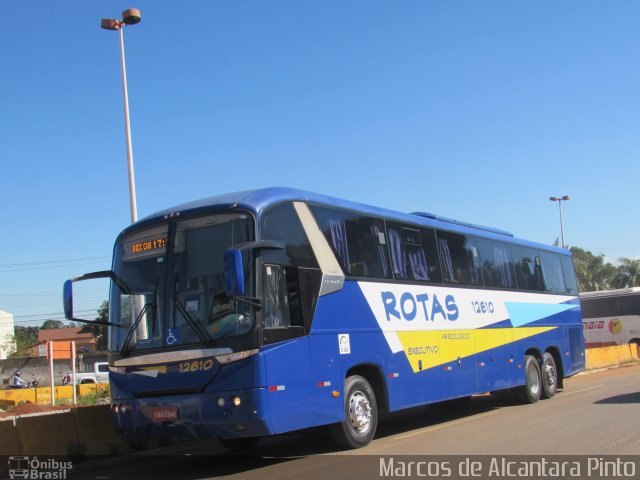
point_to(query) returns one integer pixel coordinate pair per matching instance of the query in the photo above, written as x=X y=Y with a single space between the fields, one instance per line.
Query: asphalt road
x=596 y=415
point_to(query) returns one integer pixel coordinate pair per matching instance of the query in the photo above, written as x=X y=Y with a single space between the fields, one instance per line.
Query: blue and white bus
x=261 y=312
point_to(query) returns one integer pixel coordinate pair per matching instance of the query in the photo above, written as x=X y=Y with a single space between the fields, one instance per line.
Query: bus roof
x=611 y=293
x=257 y=201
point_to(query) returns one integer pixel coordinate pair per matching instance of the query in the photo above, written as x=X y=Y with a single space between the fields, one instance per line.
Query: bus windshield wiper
x=193 y=322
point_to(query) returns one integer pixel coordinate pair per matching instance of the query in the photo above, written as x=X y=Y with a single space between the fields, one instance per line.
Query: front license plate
x=164 y=414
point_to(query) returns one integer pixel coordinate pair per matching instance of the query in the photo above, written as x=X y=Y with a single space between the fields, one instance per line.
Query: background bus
x=262 y=312
x=611 y=317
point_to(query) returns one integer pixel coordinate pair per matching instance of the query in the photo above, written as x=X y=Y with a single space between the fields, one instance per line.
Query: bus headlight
x=236 y=401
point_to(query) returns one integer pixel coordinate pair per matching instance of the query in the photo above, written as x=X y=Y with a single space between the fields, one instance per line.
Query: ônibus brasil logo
x=23 y=467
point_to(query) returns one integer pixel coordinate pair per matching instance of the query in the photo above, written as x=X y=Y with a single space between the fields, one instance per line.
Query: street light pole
x=129 y=17
x=560 y=200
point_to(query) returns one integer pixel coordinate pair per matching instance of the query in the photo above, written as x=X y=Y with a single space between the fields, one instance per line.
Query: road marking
x=448 y=424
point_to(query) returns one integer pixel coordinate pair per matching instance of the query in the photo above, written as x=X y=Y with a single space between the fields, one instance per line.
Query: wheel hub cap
x=359 y=412
x=550 y=374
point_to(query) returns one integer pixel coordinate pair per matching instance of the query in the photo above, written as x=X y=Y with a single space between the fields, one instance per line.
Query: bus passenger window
x=497 y=266
x=413 y=253
x=359 y=242
x=569 y=275
x=459 y=259
x=552 y=273
x=528 y=269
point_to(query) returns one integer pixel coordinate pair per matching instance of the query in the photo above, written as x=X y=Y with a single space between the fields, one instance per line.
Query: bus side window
x=413 y=253
x=459 y=258
x=552 y=273
x=276 y=302
x=497 y=267
x=569 y=275
x=283 y=318
x=359 y=242
x=528 y=269
x=287 y=275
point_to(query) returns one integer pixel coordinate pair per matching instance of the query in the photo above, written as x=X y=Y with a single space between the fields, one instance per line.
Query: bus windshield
x=175 y=273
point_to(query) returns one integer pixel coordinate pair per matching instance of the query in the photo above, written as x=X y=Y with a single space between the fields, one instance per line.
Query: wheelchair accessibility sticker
x=173 y=336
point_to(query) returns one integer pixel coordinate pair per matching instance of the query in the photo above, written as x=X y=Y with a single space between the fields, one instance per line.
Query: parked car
x=100 y=374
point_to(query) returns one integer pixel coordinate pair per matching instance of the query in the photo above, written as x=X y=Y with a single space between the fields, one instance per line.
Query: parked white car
x=100 y=374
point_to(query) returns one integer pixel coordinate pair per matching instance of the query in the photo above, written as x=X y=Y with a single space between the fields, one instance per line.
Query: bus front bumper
x=229 y=414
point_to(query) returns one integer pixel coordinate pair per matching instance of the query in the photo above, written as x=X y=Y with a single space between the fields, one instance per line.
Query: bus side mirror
x=67 y=294
x=233 y=273
x=67 y=299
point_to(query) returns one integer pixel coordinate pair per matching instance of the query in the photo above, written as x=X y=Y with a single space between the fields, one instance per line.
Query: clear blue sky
x=474 y=110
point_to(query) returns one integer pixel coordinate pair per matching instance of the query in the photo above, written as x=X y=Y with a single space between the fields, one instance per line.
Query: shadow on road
x=208 y=459
x=437 y=413
x=620 y=399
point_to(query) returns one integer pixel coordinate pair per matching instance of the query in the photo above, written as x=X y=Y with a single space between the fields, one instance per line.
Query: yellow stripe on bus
x=428 y=349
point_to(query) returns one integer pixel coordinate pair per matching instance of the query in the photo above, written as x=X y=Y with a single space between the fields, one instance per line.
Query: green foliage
x=628 y=273
x=99 y=332
x=52 y=324
x=22 y=338
x=100 y=397
x=592 y=272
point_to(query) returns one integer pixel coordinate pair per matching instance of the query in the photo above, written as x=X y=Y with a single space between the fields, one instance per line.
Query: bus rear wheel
x=360 y=415
x=549 y=376
x=531 y=391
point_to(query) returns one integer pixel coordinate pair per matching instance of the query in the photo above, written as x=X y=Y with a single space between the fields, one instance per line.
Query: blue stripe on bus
x=526 y=313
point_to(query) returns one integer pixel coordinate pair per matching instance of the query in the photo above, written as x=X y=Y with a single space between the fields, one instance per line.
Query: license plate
x=164 y=414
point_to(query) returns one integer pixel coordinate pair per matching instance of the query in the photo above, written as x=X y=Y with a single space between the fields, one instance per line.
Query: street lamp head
x=554 y=199
x=110 y=24
x=131 y=16
x=566 y=197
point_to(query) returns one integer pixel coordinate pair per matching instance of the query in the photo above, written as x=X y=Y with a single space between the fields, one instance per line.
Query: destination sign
x=147 y=246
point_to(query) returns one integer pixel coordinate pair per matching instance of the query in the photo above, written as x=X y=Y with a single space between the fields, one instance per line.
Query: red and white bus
x=611 y=317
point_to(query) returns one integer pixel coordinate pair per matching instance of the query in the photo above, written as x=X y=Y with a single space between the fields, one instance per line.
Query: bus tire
x=532 y=389
x=239 y=444
x=360 y=415
x=549 y=376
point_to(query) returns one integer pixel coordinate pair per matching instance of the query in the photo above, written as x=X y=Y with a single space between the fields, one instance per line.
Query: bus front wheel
x=549 y=376
x=360 y=415
x=531 y=391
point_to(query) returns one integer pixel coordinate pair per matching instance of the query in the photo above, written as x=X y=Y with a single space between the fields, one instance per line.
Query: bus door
x=286 y=351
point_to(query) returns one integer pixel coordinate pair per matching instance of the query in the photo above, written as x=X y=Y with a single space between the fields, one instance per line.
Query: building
x=6 y=332
x=85 y=342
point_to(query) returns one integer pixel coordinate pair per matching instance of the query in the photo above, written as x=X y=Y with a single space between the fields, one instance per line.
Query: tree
x=8 y=344
x=99 y=332
x=21 y=339
x=52 y=324
x=628 y=273
x=592 y=272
